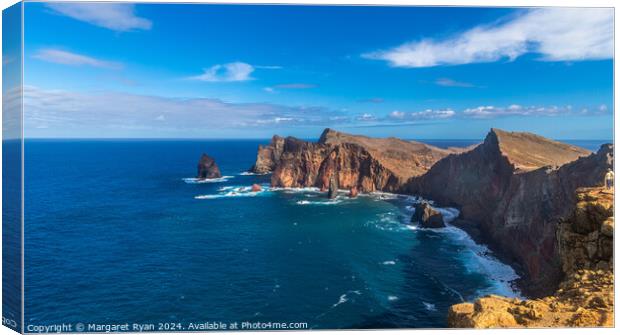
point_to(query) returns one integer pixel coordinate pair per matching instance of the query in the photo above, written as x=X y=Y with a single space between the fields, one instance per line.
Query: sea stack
x=207 y=168
x=427 y=217
x=333 y=188
x=353 y=192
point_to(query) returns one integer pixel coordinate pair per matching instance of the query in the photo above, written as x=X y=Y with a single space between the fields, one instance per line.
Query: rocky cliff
x=585 y=297
x=514 y=189
x=207 y=168
x=268 y=156
x=360 y=162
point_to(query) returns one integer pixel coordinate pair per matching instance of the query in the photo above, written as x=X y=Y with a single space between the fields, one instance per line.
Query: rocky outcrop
x=515 y=188
x=207 y=168
x=256 y=188
x=353 y=192
x=356 y=161
x=585 y=238
x=585 y=297
x=332 y=193
x=268 y=156
x=426 y=216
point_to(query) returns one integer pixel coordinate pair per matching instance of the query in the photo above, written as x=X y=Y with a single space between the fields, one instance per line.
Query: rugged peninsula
x=514 y=189
x=367 y=164
x=520 y=193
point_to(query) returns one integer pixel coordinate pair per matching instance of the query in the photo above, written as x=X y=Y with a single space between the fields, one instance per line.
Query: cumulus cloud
x=236 y=71
x=71 y=114
x=74 y=59
x=114 y=16
x=556 y=34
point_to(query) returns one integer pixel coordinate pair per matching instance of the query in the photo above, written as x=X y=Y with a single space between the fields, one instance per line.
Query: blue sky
x=226 y=71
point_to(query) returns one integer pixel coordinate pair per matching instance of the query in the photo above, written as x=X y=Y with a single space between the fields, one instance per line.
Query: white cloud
x=70 y=58
x=236 y=71
x=397 y=115
x=366 y=117
x=428 y=114
x=433 y=114
x=557 y=34
x=75 y=114
x=114 y=16
x=485 y=112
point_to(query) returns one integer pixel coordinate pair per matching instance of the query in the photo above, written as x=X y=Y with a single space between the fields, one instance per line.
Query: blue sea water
x=116 y=233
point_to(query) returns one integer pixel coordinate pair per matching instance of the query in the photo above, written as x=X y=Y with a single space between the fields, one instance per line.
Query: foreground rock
x=256 y=188
x=207 y=168
x=427 y=217
x=514 y=188
x=585 y=297
x=368 y=164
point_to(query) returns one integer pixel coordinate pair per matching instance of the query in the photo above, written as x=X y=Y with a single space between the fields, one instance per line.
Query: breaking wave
x=248 y=173
x=234 y=192
x=327 y=202
x=206 y=181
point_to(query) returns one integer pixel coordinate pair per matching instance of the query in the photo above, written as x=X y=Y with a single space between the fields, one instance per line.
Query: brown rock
x=268 y=156
x=427 y=217
x=460 y=315
x=371 y=164
x=332 y=193
x=207 y=168
x=256 y=188
x=516 y=187
x=607 y=228
x=585 y=297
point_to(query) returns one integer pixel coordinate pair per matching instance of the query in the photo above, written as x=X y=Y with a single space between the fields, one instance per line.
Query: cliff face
x=268 y=156
x=585 y=297
x=515 y=187
x=356 y=161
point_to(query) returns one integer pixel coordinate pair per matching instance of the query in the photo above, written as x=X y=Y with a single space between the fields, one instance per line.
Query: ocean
x=117 y=231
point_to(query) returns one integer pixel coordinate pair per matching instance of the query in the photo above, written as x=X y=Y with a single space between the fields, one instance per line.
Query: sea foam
x=206 y=181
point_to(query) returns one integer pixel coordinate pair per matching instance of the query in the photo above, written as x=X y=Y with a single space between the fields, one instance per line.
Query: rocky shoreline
x=585 y=297
x=514 y=191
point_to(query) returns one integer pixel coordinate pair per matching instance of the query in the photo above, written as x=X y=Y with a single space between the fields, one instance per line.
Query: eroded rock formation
x=207 y=168
x=585 y=297
x=426 y=216
x=268 y=156
x=332 y=193
x=515 y=188
x=368 y=164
